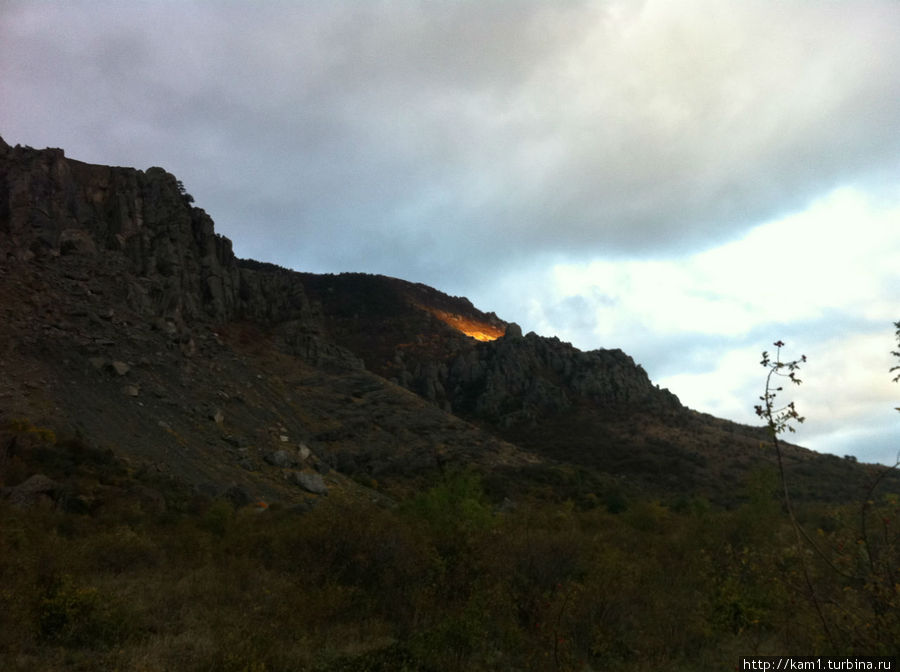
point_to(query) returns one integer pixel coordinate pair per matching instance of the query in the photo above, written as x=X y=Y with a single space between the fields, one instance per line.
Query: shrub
x=78 y=615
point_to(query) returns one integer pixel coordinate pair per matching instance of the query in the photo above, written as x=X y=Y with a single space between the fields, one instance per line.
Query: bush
x=77 y=615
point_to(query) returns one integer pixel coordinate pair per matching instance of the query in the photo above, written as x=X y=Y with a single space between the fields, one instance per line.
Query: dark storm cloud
x=434 y=140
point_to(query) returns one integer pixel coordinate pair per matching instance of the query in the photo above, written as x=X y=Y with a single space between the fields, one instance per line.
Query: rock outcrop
x=415 y=336
x=521 y=379
x=176 y=268
x=36 y=490
x=176 y=271
x=127 y=322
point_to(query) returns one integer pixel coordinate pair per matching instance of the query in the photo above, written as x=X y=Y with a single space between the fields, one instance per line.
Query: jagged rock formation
x=126 y=319
x=411 y=334
x=394 y=325
x=177 y=270
x=505 y=381
x=522 y=379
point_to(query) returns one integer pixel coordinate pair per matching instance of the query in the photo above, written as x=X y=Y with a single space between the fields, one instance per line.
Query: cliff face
x=176 y=268
x=522 y=379
x=177 y=271
x=126 y=322
x=418 y=338
x=125 y=318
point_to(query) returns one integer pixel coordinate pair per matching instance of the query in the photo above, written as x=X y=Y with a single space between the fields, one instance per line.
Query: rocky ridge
x=407 y=333
x=129 y=322
x=175 y=269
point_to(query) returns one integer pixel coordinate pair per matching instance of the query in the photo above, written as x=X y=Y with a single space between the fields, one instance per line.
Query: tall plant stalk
x=778 y=419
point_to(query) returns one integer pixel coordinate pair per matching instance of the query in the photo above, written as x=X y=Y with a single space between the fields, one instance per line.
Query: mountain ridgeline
x=130 y=322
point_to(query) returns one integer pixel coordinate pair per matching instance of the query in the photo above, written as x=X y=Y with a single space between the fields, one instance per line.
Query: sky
x=687 y=181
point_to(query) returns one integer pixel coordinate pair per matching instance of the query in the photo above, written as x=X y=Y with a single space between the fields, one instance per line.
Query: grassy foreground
x=107 y=577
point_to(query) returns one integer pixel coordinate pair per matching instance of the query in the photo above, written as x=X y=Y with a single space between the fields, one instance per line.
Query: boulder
x=303 y=452
x=121 y=368
x=76 y=241
x=37 y=489
x=282 y=458
x=513 y=330
x=310 y=482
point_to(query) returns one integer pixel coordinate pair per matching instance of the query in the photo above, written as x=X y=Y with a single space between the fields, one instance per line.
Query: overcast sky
x=688 y=181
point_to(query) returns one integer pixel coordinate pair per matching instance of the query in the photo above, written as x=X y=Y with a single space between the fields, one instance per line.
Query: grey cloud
x=668 y=354
x=435 y=140
x=473 y=145
x=870 y=437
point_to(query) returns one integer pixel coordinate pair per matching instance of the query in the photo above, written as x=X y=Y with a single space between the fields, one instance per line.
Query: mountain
x=129 y=324
x=210 y=463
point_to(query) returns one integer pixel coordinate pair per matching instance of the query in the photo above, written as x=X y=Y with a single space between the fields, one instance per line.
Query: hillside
x=211 y=463
x=130 y=322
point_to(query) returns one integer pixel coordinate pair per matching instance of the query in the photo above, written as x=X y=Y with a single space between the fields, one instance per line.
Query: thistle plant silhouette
x=778 y=419
x=875 y=579
x=896 y=353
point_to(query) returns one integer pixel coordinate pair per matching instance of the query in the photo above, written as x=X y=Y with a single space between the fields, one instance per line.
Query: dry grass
x=442 y=582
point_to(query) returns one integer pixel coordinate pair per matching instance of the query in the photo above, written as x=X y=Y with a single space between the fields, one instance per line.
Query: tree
x=184 y=194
